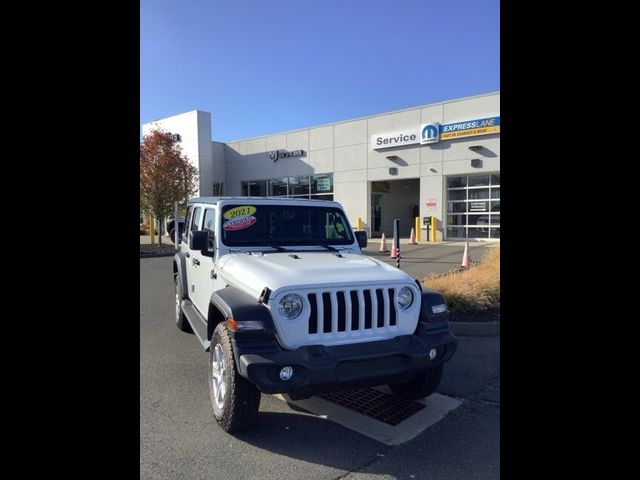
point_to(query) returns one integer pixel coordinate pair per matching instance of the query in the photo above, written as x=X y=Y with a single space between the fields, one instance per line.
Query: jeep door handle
x=195 y=261
x=187 y=254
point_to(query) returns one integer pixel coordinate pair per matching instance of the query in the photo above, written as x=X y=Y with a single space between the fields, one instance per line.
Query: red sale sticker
x=239 y=223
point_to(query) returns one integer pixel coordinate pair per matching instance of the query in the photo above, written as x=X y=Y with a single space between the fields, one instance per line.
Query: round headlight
x=405 y=298
x=290 y=306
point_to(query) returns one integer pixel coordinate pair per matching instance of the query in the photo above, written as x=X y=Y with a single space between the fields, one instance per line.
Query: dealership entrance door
x=393 y=199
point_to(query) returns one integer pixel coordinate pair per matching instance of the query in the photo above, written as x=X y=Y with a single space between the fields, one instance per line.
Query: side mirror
x=211 y=244
x=361 y=236
x=198 y=240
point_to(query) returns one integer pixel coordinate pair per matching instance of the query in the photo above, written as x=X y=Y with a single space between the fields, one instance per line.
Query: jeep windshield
x=275 y=225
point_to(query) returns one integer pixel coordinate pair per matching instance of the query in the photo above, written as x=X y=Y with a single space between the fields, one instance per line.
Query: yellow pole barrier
x=418 y=232
x=152 y=229
x=359 y=224
x=433 y=228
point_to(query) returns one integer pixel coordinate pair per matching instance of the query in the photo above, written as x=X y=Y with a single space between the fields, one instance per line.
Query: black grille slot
x=367 y=308
x=392 y=308
x=342 y=315
x=326 y=305
x=380 y=299
x=313 y=318
x=355 y=310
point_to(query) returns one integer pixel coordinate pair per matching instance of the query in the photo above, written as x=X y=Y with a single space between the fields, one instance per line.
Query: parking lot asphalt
x=179 y=438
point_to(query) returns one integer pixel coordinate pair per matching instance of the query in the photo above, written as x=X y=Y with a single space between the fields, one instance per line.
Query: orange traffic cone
x=466 y=258
x=383 y=245
x=394 y=250
x=412 y=238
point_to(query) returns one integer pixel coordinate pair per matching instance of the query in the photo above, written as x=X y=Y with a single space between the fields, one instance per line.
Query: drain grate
x=386 y=408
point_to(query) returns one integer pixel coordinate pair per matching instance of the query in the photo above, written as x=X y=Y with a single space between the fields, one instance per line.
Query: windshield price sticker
x=242 y=211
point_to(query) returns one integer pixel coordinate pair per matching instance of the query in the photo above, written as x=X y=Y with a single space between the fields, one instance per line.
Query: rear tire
x=234 y=399
x=181 y=320
x=423 y=384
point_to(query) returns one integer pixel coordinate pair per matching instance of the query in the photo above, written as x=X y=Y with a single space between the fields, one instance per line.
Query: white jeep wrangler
x=280 y=294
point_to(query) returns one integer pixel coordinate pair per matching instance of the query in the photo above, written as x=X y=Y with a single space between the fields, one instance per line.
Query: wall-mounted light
x=476 y=163
x=393 y=171
x=433 y=170
x=392 y=157
x=475 y=147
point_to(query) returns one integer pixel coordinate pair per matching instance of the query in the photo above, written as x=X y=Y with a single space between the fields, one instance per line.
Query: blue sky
x=263 y=67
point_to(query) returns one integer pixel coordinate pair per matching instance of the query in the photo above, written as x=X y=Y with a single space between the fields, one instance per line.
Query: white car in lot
x=279 y=292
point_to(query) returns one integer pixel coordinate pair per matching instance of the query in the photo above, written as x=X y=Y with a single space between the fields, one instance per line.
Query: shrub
x=472 y=289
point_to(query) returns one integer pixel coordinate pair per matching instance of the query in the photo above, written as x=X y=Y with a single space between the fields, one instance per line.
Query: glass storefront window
x=456 y=207
x=299 y=186
x=456 y=182
x=218 y=189
x=456 y=232
x=478 y=180
x=322 y=197
x=469 y=201
x=278 y=187
x=456 y=219
x=478 y=232
x=322 y=183
x=258 y=188
x=478 y=193
x=458 y=195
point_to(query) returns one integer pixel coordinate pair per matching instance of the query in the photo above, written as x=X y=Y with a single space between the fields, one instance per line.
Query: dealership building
x=439 y=162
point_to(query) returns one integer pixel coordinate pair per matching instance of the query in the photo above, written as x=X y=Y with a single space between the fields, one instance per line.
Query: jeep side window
x=197 y=215
x=187 y=219
x=209 y=220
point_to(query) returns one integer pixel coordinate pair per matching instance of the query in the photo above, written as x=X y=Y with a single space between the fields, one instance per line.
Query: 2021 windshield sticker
x=239 y=218
x=242 y=211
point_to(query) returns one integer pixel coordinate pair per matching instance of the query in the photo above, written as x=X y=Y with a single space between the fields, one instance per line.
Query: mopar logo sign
x=273 y=155
x=429 y=133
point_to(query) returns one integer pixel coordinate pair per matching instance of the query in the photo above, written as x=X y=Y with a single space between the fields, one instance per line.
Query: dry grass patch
x=473 y=289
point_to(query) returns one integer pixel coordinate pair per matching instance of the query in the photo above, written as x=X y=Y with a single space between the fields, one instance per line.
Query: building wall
x=195 y=130
x=343 y=149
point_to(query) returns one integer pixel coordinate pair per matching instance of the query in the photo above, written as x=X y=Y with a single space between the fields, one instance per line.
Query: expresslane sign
x=471 y=128
x=429 y=133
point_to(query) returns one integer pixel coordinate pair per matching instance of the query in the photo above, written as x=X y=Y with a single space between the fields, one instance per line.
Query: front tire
x=423 y=384
x=181 y=320
x=234 y=399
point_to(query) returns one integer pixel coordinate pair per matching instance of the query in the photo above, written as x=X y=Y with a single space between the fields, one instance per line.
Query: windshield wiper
x=277 y=247
x=328 y=247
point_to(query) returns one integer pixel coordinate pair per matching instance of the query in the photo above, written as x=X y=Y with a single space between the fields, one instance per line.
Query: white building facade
x=439 y=162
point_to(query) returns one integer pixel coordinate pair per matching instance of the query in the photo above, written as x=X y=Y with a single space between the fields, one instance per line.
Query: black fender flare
x=180 y=269
x=231 y=302
x=431 y=297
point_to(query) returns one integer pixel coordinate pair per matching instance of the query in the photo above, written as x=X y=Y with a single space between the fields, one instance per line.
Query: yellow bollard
x=152 y=229
x=418 y=231
x=433 y=228
x=359 y=224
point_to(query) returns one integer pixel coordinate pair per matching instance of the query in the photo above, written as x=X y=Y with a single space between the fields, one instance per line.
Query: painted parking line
x=436 y=408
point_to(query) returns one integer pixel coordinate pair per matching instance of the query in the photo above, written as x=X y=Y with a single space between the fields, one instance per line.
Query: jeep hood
x=311 y=269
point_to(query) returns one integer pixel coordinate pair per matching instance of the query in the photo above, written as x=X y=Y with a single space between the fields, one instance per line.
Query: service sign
x=396 y=139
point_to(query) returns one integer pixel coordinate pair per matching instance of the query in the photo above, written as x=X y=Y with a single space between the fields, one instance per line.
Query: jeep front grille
x=362 y=310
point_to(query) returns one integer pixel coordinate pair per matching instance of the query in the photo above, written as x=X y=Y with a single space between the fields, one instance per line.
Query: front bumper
x=318 y=369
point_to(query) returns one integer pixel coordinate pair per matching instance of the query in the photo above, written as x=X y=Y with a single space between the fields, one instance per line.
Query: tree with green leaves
x=166 y=176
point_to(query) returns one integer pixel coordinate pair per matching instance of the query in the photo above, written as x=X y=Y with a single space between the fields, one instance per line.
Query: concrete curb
x=475 y=329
